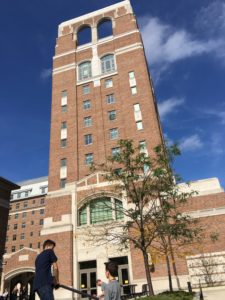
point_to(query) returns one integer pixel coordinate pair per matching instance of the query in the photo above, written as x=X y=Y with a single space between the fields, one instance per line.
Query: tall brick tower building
x=101 y=92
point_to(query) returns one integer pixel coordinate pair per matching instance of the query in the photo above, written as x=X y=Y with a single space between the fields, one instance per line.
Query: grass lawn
x=179 y=295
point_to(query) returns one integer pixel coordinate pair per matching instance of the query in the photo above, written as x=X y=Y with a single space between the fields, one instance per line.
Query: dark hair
x=48 y=243
x=112 y=268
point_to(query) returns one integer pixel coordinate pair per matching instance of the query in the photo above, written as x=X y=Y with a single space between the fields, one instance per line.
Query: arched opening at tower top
x=84 y=35
x=105 y=28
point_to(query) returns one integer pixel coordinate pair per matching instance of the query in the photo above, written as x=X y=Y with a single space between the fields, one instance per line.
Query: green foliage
x=179 y=295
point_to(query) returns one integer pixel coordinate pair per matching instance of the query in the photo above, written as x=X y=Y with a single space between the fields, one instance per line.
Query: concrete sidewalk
x=216 y=293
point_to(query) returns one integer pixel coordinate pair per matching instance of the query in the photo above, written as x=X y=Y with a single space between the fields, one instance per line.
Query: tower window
x=84 y=35
x=87 y=104
x=104 y=28
x=108 y=83
x=112 y=115
x=84 y=70
x=63 y=125
x=107 y=63
x=110 y=99
x=89 y=158
x=113 y=133
x=63 y=162
x=63 y=143
x=88 y=139
x=86 y=89
x=87 y=121
x=134 y=90
x=115 y=151
x=139 y=125
x=62 y=184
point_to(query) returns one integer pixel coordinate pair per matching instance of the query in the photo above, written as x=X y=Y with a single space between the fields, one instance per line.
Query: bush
x=179 y=295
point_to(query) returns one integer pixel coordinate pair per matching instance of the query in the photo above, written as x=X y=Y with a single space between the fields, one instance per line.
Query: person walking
x=112 y=289
x=101 y=284
x=44 y=280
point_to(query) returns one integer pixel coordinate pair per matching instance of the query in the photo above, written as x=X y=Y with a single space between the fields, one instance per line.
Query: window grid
x=108 y=83
x=86 y=89
x=110 y=99
x=63 y=143
x=107 y=63
x=87 y=104
x=87 y=121
x=88 y=139
x=100 y=210
x=85 y=70
x=113 y=133
x=89 y=158
x=139 y=125
x=112 y=115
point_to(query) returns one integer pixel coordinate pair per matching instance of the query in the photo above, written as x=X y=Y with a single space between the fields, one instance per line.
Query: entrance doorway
x=88 y=277
x=123 y=273
x=21 y=286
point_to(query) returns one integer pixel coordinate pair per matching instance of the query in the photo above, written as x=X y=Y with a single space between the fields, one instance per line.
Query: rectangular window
x=110 y=99
x=32 y=222
x=63 y=125
x=64 y=98
x=17 y=205
x=16 y=216
x=134 y=90
x=113 y=133
x=64 y=108
x=41 y=222
x=131 y=75
x=137 y=107
x=63 y=162
x=62 y=183
x=42 y=211
x=88 y=139
x=139 y=125
x=108 y=83
x=13 y=248
x=89 y=158
x=86 y=89
x=87 y=104
x=87 y=121
x=30 y=246
x=21 y=247
x=14 y=237
x=115 y=151
x=15 y=226
x=24 y=214
x=33 y=212
x=23 y=225
x=31 y=233
x=112 y=115
x=39 y=245
x=22 y=236
x=83 y=216
x=42 y=200
x=63 y=143
x=142 y=145
x=25 y=204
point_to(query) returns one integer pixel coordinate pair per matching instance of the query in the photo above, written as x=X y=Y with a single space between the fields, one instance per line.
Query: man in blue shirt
x=44 y=280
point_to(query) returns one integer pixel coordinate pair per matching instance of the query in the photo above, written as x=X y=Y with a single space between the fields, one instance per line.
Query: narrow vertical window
x=64 y=101
x=108 y=83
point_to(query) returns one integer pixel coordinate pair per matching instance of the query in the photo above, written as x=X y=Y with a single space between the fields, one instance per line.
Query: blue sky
x=185 y=46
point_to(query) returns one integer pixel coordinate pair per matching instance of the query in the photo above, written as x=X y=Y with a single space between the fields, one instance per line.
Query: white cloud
x=169 y=106
x=191 y=143
x=165 y=44
x=217 y=144
x=46 y=73
x=219 y=114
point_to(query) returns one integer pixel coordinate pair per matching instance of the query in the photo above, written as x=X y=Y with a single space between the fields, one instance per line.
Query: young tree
x=151 y=217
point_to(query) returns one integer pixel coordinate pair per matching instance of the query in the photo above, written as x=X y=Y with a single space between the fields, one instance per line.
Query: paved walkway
x=217 y=293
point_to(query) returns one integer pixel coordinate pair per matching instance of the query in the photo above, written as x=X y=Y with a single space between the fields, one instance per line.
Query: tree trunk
x=174 y=265
x=148 y=274
x=169 y=273
x=175 y=270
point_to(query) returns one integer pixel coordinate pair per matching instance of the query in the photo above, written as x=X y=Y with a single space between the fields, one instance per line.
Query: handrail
x=78 y=292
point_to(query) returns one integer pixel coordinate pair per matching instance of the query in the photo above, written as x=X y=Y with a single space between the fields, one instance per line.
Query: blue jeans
x=46 y=292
